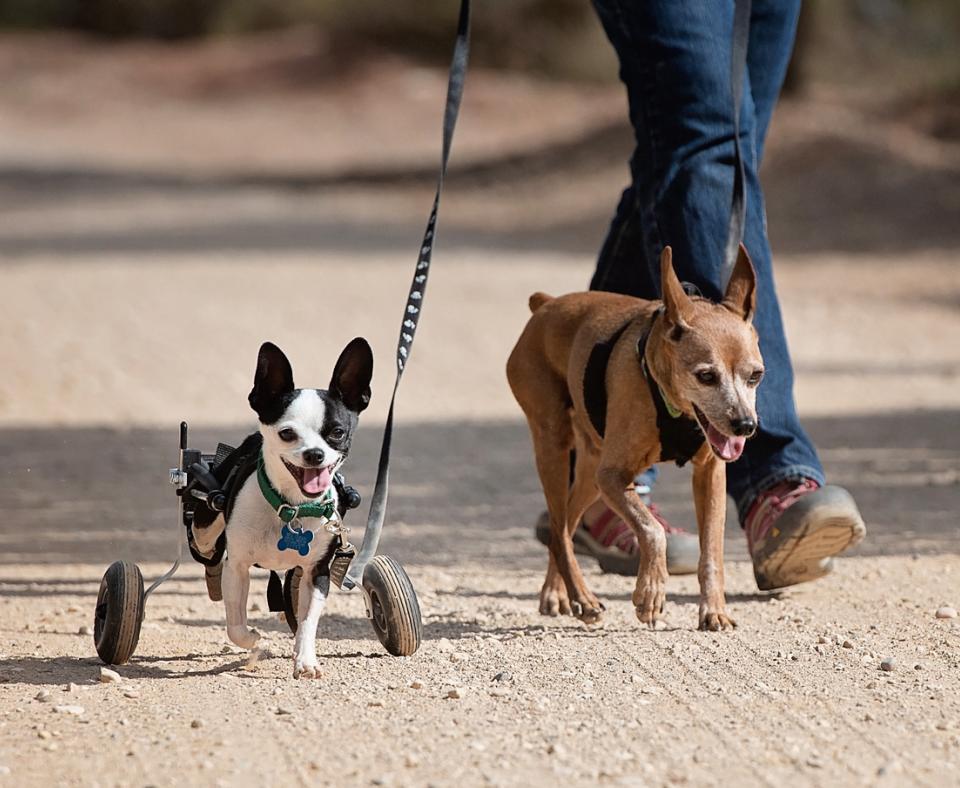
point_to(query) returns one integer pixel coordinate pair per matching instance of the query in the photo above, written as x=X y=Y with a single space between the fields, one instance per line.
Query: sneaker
x=613 y=543
x=795 y=528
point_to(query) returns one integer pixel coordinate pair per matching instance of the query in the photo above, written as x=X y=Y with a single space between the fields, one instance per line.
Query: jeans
x=675 y=62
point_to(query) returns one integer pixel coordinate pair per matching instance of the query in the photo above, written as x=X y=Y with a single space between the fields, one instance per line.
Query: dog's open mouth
x=313 y=482
x=726 y=447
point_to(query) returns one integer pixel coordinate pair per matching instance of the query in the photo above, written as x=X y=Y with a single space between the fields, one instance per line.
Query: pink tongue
x=316 y=480
x=728 y=448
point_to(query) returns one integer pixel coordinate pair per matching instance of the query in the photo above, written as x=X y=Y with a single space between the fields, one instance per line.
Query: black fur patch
x=595 y=381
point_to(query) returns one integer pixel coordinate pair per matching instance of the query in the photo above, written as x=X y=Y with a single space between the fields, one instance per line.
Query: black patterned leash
x=738 y=207
x=414 y=306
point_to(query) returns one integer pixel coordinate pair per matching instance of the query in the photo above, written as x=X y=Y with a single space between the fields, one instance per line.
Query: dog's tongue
x=728 y=448
x=316 y=480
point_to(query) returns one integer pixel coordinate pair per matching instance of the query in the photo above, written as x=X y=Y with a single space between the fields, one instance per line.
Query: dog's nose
x=313 y=456
x=744 y=426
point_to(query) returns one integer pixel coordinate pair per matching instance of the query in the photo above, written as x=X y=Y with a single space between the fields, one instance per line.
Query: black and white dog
x=278 y=515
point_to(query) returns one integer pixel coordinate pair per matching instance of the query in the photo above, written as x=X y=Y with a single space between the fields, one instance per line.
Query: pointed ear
x=741 y=295
x=272 y=381
x=352 y=374
x=675 y=301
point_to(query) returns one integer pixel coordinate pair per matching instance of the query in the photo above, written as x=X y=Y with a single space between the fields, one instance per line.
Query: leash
x=414 y=305
x=738 y=207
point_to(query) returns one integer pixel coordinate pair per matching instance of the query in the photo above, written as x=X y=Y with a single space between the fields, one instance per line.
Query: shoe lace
x=773 y=502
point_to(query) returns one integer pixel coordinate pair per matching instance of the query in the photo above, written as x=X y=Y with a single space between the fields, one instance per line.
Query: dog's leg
x=709 y=495
x=616 y=487
x=314 y=590
x=205 y=537
x=236 y=586
x=552 y=448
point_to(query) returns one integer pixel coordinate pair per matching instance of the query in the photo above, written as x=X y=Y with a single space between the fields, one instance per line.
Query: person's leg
x=675 y=63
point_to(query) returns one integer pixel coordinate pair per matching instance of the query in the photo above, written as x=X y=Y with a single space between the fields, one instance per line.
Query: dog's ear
x=351 y=375
x=676 y=302
x=271 y=382
x=741 y=295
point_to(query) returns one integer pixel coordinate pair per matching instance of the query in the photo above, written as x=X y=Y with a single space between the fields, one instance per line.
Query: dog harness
x=680 y=436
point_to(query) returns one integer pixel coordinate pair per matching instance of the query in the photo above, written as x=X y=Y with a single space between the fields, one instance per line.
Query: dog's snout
x=744 y=426
x=313 y=456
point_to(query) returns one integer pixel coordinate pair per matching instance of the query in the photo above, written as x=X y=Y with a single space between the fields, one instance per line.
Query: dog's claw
x=712 y=621
x=554 y=600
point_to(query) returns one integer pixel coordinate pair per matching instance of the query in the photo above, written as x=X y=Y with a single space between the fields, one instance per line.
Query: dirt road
x=128 y=275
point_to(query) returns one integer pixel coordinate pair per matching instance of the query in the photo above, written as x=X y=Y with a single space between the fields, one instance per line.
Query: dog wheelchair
x=206 y=483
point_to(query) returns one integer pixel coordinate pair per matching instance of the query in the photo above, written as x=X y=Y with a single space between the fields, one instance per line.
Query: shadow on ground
x=461 y=492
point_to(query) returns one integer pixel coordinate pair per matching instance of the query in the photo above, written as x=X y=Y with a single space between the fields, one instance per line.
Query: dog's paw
x=243 y=637
x=590 y=611
x=649 y=597
x=554 y=600
x=305 y=669
x=712 y=620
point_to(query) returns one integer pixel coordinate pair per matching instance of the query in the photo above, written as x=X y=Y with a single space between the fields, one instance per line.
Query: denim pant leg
x=675 y=63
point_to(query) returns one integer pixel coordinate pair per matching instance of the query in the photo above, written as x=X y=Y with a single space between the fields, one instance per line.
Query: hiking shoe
x=796 y=527
x=614 y=544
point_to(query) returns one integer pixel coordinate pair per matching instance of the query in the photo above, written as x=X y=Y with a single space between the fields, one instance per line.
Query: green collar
x=322 y=507
x=673 y=410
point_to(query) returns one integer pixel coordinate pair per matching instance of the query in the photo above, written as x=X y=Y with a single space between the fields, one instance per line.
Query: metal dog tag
x=340 y=562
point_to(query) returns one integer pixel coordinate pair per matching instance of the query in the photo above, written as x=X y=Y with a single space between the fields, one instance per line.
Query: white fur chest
x=254 y=532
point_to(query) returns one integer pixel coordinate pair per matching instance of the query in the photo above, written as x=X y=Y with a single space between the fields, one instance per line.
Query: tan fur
x=546 y=373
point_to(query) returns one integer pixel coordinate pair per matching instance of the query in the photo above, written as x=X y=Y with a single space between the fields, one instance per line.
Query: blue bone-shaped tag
x=295 y=540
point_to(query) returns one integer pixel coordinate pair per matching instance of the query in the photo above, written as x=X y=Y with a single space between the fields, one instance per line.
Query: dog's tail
x=537 y=300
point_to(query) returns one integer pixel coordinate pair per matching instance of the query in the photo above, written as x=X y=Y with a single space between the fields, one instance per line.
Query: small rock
x=822 y=640
x=85 y=630
x=132 y=694
x=4 y=770
x=44 y=734
x=459 y=656
x=888 y=664
x=847 y=644
x=456 y=693
x=416 y=684
x=411 y=761
x=226 y=650
x=196 y=723
x=277 y=691
x=556 y=749
x=283 y=711
x=76 y=711
x=375 y=702
x=918 y=666
x=52 y=747
x=503 y=675
x=635 y=679
x=499 y=692
x=71 y=687
x=108 y=676
x=946 y=612
x=43 y=696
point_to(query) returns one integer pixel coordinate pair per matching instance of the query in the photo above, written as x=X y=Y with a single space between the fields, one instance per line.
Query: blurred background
x=180 y=181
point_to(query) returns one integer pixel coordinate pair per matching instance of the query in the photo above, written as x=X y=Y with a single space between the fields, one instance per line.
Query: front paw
x=589 y=609
x=649 y=596
x=714 y=619
x=305 y=668
x=243 y=637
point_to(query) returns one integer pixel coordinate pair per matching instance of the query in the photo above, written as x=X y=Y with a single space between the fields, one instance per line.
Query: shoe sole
x=807 y=555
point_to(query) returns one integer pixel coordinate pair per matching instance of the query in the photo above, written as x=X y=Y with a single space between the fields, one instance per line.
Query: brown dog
x=628 y=383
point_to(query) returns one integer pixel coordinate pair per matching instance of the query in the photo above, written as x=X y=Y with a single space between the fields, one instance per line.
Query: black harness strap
x=595 y=380
x=411 y=316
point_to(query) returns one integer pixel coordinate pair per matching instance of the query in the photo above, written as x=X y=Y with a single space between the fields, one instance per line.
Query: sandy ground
x=150 y=239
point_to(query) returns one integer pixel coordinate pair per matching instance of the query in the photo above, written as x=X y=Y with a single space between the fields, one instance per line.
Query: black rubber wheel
x=119 y=613
x=291 y=597
x=393 y=603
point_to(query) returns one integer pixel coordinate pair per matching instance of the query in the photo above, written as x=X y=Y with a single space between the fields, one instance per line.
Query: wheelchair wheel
x=394 y=610
x=291 y=596
x=119 y=613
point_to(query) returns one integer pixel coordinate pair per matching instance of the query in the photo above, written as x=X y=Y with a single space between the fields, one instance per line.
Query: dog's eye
x=755 y=378
x=708 y=377
x=287 y=435
x=337 y=433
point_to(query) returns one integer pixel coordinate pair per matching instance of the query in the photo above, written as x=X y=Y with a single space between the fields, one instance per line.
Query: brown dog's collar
x=680 y=435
